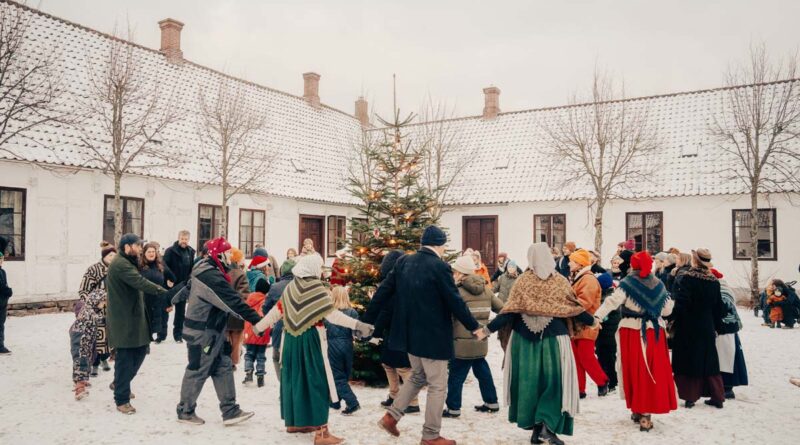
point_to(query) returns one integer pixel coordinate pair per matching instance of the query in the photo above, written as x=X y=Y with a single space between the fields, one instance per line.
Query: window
x=767 y=235
x=132 y=216
x=12 y=222
x=209 y=224
x=646 y=229
x=360 y=237
x=550 y=229
x=337 y=234
x=251 y=230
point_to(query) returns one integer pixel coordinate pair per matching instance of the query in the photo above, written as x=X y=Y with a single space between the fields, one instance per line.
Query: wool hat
x=630 y=244
x=127 y=239
x=581 y=257
x=512 y=266
x=260 y=251
x=465 y=265
x=703 y=256
x=258 y=262
x=217 y=246
x=643 y=262
x=236 y=255
x=106 y=248
x=434 y=236
x=605 y=279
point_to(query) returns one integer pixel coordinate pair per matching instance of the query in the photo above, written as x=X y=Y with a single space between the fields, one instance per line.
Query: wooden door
x=480 y=233
x=312 y=226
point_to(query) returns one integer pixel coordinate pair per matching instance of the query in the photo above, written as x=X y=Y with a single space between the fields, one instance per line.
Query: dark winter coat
x=697 y=316
x=340 y=336
x=673 y=278
x=424 y=301
x=179 y=261
x=240 y=284
x=156 y=304
x=383 y=322
x=273 y=296
x=607 y=335
x=5 y=291
x=562 y=266
x=481 y=302
x=125 y=315
x=665 y=274
x=626 y=262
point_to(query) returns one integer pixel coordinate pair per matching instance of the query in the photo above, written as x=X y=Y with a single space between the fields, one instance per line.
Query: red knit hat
x=643 y=262
x=257 y=261
x=630 y=244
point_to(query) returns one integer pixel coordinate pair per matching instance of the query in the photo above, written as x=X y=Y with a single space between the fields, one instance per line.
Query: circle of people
x=560 y=319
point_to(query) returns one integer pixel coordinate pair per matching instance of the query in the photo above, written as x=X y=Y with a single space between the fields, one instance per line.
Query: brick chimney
x=171 y=39
x=311 y=89
x=491 y=97
x=362 y=111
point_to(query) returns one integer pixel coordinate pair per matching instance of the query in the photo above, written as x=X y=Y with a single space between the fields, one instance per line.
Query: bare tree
x=234 y=141
x=29 y=90
x=602 y=145
x=132 y=114
x=759 y=126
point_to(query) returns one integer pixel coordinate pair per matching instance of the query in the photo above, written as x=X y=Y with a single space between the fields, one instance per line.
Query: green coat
x=503 y=286
x=480 y=301
x=126 y=319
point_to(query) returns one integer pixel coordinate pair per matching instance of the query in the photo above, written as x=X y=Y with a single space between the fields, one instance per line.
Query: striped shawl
x=305 y=302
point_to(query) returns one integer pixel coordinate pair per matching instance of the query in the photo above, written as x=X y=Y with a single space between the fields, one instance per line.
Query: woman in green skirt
x=541 y=382
x=307 y=386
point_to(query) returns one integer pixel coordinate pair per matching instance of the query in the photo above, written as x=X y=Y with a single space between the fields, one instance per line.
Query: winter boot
x=602 y=391
x=4 y=350
x=191 y=419
x=387 y=403
x=549 y=437
x=389 y=424
x=438 y=441
x=411 y=410
x=729 y=394
x=238 y=417
x=718 y=403
x=537 y=431
x=688 y=404
x=248 y=377
x=324 y=437
x=126 y=409
x=260 y=380
x=645 y=423
x=582 y=395
x=80 y=390
x=451 y=413
x=104 y=365
x=337 y=406
x=348 y=411
x=486 y=408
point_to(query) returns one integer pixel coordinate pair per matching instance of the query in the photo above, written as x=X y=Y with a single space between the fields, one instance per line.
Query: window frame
x=124 y=200
x=774 y=242
x=323 y=242
x=24 y=222
x=337 y=235
x=215 y=208
x=252 y=227
x=645 y=237
x=536 y=217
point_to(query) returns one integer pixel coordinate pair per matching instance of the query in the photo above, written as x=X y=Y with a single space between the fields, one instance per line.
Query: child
x=340 y=351
x=255 y=346
x=606 y=345
x=82 y=335
x=777 y=296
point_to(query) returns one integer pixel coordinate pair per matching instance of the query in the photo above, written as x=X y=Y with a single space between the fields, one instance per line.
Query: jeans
x=216 y=363
x=255 y=354
x=434 y=374
x=126 y=365
x=459 y=369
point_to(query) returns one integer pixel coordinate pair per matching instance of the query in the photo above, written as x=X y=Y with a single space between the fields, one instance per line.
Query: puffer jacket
x=340 y=338
x=503 y=286
x=480 y=302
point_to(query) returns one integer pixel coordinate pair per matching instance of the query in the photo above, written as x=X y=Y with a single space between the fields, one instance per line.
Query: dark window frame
x=24 y=222
x=493 y=264
x=550 y=235
x=644 y=228
x=215 y=208
x=253 y=228
x=321 y=248
x=337 y=219
x=774 y=242
x=124 y=200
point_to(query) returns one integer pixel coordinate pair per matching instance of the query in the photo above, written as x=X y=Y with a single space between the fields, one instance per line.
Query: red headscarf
x=217 y=247
x=643 y=262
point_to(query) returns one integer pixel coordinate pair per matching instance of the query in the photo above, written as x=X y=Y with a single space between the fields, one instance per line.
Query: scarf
x=551 y=297
x=540 y=260
x=305 y=302
x=308 y=266
x=650 y=295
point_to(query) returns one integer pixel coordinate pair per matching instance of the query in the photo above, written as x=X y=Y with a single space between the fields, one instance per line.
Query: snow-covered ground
x=36 y=403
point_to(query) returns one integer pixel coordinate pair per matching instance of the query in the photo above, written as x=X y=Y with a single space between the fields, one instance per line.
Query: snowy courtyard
x=38 y=405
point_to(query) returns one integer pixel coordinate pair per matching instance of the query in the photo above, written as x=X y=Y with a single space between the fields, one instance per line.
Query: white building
x=54 y=201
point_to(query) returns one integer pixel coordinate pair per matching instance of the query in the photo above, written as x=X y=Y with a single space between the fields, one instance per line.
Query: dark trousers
x=126 y=365
x=99 y=358
x=607 y=356
x=255 y=354
x=340 y=355
x=177 y=322
x=459 y=369
x=215 y=364
x=3 y=313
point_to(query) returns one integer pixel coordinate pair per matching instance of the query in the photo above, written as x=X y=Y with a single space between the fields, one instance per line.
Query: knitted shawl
x=551 y=297
x=305 y=302
x=650 y=295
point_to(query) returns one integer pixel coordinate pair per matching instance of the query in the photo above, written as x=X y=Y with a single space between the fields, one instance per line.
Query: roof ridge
x=140 y=46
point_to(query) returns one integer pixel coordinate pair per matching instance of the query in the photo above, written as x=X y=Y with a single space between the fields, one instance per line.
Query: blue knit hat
x=433 y=236
x=606 y=280
x=260 y=251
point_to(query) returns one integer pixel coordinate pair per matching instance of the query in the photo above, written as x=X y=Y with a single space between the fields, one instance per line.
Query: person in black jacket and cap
x=424 y=302
x=179 y=258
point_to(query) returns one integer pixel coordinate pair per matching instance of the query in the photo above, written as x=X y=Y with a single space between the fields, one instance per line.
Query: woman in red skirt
x=646 y=373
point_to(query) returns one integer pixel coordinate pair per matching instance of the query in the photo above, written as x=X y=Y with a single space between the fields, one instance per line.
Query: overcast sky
x=537 y=52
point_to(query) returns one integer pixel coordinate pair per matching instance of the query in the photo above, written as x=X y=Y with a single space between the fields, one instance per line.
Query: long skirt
x=646 y=377
x=305 y=396
x=739 y=375
x=536 y=390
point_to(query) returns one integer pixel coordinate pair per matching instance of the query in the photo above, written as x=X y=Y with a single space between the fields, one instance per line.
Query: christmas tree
x=396 y=209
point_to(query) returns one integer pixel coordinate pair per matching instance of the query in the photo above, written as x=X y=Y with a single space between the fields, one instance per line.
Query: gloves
x=363 y=330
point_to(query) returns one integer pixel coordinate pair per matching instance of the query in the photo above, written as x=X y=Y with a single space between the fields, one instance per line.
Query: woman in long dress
x=646 y=377
x=541 y=382
x=307 y=384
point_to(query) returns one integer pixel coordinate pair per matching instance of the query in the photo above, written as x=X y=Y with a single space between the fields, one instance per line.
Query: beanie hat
x=606 y=280
x=630 y=244
x=512 y=266
x=236 y=255
x=260 y=251
x=105 y=249
x=127 y=239
x=581 y=257
x=262 y=286
x=643 y=262
x=465 y=265
x=258 y=262
x=433 y=236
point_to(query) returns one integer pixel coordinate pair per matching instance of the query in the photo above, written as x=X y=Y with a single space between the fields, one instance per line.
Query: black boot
x=248 y=377
x=549 y=437
x=537 y=431
x=602 y=391
x=712 y=402
x=260 y=380
x=387 y=403
x=729 y=394
x=688 y=404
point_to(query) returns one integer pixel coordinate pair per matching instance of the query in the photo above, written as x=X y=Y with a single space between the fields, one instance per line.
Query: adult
x=589 y=293
x=179 y=257
x=128 y=330
x=502 y=262
x=729 y=348
x=697 y=314
x=540 y=373
x=616 y=263
x=683 y=264
x=271 y=267
x=93 y=279
x=504 y=283
x=424 y=302
x=307 y=383
x=210 y=300
x=470 y=353
x=339 y=269
x=595 y=259
x=289 y=263
x=235 y=327
x=152 y=267
x=647 y=384
x=659 y=263
x=669 y=265
x=5 y=294
x=626 y=253
x=562 y=266
x=273 y=296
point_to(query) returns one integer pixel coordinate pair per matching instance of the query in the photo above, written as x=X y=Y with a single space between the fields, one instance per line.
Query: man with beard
x=179 y=257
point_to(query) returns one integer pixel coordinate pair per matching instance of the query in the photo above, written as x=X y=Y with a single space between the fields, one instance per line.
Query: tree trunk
x=117 y=209
x=224 y=217
x=598 y=226
x=754 y=285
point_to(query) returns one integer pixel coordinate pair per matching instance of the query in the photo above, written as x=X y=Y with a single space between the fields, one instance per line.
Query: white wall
x=689 y=222
x=64 y=222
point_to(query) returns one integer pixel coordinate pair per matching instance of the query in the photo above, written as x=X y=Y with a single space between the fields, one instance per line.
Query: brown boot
x=126 y=409
x=389 y=424
x=324 y=437
x=438 y=441
x=300 y=429
x=80 y=390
